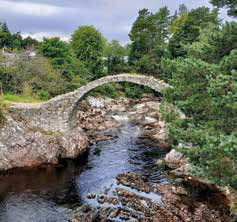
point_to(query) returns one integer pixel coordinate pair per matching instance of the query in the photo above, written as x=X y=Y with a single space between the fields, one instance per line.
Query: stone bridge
x=57 y=114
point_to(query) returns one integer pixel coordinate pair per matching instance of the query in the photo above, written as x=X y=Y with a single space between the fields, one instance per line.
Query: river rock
x=149 y=120
x=160 y=163
x=98 y=102
x=101 y=199
x=175 y=159
x=176 y=204
x=134 y=181
x=151 y=104
x=231 y=195
x=24 y=146
x=91 y=196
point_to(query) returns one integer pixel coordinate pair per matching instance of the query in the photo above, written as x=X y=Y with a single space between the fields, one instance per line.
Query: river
x=51 y=194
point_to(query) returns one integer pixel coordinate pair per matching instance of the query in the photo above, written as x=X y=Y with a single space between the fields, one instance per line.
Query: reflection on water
x=50 y=195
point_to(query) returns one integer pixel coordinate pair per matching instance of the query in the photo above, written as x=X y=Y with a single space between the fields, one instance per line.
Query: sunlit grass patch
x=19 y=98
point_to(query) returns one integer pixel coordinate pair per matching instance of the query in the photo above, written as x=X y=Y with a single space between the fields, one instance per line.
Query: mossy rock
x=3 y=119
x=234 y=212
x=3 y=108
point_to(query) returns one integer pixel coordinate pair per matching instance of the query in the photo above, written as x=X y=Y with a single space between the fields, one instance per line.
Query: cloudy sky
x=113 y=18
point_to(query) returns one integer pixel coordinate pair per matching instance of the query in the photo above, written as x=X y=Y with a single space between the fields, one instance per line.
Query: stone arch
x=61 y=108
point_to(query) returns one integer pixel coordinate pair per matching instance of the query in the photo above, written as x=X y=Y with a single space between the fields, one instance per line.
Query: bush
x=133 y=91
x=108 y=90
x=206 y=93
x=190 y=81
x=27 y=90
x=31 y=75
x=3 y=119
x=43 y=95
x=168 y=112
x=228 y=64
x=214 y=157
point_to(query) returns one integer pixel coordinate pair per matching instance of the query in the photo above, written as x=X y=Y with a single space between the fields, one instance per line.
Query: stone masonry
x=58 y=114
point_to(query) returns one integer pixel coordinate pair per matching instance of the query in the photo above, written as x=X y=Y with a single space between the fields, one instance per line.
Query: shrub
x=206 y=93
x=190 y=80
x=31 y=75
x=133 y=91
x=108 y=90
x=214 y=157
x=3 y=119
x=43 y=95
x=168 y=112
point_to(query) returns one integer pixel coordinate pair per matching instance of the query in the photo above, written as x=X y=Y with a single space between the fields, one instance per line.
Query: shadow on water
x=50 y=194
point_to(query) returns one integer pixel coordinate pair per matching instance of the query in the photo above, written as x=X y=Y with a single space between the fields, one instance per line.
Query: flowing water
x=48 y=195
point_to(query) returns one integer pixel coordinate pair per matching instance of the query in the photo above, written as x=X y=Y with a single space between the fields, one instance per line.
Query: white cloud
x=40 y=35
x=28 y=8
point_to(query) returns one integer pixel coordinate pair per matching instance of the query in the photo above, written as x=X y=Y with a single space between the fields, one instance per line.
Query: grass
x=19 y=98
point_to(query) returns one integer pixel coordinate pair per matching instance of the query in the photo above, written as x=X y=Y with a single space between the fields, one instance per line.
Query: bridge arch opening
x=141 y=80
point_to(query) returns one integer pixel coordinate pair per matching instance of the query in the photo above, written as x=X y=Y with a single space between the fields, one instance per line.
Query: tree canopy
x=14 y=41
x=148 y=35
x=88 y=45
x=186 y=28
x=115 y=57
x=231 y=5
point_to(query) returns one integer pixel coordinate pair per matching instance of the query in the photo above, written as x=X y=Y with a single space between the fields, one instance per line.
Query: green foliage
x=14 y=41
x=29 y=42
x=148 y=35
x=88 y=44
x=35 y=73
x=54 y=49
x=168 y=112
x=19 y=98
x=108 y=90
x=60 y=56
x=133 y=91
x=214 y=43
x=230 y=4
x=5 y=36
x=177 y=24
x=214 y=156
x=189 y=77
x=186 y=29
x=228 y=64
x=207 y=94
x=115 y=58
x=223 y=92
x=77 y=82
x=43 y=95
x=3 y=119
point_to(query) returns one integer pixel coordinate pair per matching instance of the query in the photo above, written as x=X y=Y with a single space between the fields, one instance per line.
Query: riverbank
x=135 y=199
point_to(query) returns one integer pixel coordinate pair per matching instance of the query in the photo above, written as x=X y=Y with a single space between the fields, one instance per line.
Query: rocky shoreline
x=168 y=203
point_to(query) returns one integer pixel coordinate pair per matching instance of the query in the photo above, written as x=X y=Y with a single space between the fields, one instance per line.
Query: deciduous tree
x=88 y=44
